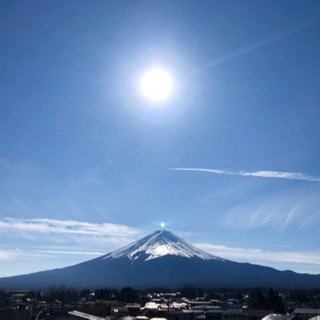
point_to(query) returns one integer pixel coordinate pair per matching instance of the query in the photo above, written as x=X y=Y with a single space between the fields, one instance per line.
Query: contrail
x=261 y=174
x=258 y=45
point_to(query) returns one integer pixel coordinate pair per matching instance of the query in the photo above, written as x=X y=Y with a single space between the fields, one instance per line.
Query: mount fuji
x=159 y=244
x=161 y=259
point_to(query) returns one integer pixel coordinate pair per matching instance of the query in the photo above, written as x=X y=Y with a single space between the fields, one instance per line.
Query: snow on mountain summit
x=159 y=244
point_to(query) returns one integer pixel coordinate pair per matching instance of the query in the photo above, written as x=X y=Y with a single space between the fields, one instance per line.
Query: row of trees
x=258 y=298
x=68 y=295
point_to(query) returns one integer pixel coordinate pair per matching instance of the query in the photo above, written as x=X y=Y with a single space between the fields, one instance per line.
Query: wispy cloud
x=5 y=255
x=261 y=174
x=282 y=210
x=86 y=253
x=52 y=226
x=258 y=45
x=63 y=240
x=14 y=254
x=258 y=255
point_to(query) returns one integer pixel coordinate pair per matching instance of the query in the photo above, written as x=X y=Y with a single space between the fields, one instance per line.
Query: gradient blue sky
x=87 y=164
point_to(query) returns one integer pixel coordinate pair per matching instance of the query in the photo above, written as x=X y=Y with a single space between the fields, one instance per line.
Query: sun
x=162 y=224
x=156 y=84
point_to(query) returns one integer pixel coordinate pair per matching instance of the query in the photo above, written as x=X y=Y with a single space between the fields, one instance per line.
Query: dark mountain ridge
x=161 y=259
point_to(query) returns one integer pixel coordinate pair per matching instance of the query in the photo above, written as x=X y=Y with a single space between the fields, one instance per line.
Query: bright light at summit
x=156 y=84
x=162 y=224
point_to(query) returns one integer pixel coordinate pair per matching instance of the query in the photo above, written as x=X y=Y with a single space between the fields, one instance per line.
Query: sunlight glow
x=162 y=224
x=156 y=84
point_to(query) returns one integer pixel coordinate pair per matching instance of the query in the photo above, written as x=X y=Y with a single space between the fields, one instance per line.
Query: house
x=175 y=315
x=120 y=312
x=233 y=314
x=306 y=313
x=133 y=309
x=215 y=313
x=273 y=316
x=75 y=315
x=257 y=314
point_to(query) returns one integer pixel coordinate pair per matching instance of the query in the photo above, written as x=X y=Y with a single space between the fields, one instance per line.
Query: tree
x=128 y=294
x=85 y=293
x=189 y=292
x=256 y=300
x=275 y=301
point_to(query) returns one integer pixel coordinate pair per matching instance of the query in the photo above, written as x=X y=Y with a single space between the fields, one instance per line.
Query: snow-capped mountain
x=161 y=259
x=159 y=244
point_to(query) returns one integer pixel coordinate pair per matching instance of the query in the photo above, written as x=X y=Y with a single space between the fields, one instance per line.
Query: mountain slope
x=161 y=259
x=159 y=244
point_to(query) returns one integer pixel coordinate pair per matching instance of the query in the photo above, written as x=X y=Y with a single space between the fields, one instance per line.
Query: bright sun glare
x=156 y=84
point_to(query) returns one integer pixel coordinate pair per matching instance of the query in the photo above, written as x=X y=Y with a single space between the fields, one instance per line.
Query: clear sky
x=89 y=164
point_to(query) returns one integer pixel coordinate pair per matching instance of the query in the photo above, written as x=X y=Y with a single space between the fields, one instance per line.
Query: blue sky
x=230 y=161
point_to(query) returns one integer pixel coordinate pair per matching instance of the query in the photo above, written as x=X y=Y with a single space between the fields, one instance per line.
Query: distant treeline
x=256 y=298
x=100 y=301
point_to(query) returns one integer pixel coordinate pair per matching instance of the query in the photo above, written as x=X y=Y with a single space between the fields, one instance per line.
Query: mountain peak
x=130 y=266
x=158 y=244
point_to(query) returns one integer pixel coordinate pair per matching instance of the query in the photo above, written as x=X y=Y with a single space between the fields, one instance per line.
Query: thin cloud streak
x=258 y=45
x=283 y=210
x=261 y=174
x=252 y=254
x=52 y=226
x=86 y=253
x=5 y=255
